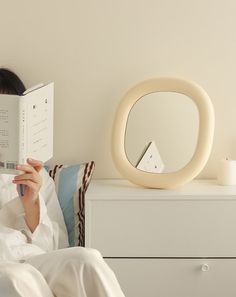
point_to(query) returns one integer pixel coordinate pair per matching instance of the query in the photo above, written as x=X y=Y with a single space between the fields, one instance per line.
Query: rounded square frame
x=204 y=141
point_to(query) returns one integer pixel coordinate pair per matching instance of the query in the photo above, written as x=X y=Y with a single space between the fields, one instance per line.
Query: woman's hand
x=31 y=183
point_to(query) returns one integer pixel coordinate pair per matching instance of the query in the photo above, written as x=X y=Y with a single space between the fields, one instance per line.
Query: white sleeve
x=50 y=234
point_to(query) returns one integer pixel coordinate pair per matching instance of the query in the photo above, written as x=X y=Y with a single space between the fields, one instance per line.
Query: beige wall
x=95 y=50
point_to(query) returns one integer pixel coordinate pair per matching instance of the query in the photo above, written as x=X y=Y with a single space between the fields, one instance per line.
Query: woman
x=34 y=256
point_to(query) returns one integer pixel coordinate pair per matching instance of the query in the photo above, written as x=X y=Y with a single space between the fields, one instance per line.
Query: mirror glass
x=170 y=120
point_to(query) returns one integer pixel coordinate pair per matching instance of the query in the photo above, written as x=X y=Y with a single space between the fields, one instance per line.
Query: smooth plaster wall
x=95 y=50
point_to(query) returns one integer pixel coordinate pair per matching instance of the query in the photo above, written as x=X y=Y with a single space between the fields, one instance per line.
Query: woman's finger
x=38 y=165
x=33 y=186
x=26 y=168
x=31 y=176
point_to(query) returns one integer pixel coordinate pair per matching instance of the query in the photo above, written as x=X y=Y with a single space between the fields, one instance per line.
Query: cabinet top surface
x=112 y=188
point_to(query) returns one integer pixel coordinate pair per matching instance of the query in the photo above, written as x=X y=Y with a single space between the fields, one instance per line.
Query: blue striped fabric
x=67 y=186
x=71 y=183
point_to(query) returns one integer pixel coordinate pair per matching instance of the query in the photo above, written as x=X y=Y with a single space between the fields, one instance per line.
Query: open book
x=26 y=127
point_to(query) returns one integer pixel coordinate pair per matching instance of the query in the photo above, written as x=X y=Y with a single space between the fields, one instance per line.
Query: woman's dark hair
x=10 y=83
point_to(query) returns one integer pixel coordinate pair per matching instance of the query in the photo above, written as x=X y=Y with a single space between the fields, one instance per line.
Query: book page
x=39 y=123
x=9 y=131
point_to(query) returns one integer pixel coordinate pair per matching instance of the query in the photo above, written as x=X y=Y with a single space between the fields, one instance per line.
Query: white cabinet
x=165 y=243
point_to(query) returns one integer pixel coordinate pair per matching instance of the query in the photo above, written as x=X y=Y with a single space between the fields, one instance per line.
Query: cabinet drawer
x=163 y=228
x=175 y=277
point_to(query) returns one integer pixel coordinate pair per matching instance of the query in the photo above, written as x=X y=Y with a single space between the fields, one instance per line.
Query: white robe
x=39 y=264
x=17 y=242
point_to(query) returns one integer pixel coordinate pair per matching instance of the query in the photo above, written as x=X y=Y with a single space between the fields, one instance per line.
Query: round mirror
x=204 y=141
x=174 y=140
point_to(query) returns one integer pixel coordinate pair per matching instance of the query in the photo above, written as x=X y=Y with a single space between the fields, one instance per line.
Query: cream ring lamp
x=204 y=141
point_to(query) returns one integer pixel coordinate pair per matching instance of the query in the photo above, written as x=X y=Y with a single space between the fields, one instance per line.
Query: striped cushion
x=71 y=182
